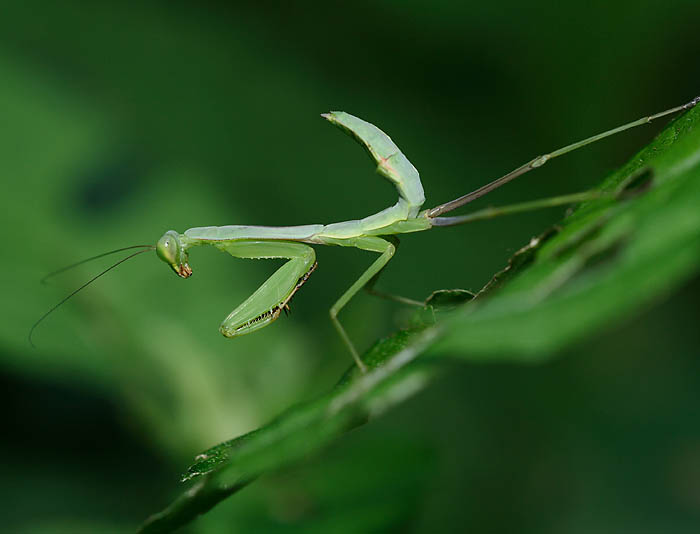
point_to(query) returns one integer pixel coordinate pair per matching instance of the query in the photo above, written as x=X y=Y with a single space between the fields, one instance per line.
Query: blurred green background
x=121 y=120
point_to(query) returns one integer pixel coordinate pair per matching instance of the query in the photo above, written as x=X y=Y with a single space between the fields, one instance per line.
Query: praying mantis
x=375 y=233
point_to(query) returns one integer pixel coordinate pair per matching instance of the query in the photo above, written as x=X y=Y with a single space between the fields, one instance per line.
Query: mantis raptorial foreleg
x=273 y=296
x=372 y=244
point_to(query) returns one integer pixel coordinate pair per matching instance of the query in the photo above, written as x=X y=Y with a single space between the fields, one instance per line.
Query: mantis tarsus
x=373 y=233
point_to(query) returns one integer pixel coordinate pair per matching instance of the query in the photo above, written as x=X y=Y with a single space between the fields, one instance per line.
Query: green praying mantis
x=375 y=233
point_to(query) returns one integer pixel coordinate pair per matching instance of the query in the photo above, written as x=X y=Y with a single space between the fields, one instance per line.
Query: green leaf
x=604 y=261
x=607 y=260
x=304 y=428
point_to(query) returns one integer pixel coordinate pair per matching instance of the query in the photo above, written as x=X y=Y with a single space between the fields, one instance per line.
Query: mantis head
x=171 y=250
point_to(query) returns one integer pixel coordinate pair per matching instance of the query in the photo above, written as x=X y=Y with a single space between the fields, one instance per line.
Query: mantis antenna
x=146 y=248
x=72 y=265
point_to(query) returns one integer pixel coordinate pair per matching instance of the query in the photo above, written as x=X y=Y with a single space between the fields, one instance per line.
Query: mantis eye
x=168 y=248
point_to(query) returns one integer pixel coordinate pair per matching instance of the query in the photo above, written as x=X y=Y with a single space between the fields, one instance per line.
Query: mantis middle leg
x=369 y=287
x=372 y=244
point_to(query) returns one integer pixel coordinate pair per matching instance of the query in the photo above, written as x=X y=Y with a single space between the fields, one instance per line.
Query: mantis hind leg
x=267 y=303
x=372 y=244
